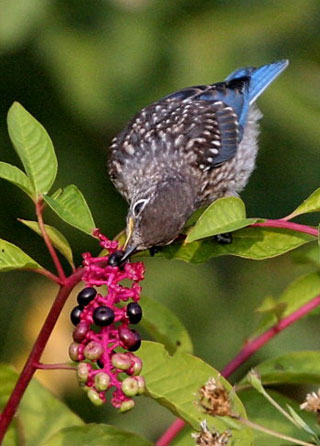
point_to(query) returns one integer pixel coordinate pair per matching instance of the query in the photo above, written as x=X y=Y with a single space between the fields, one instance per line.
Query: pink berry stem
x=247 y=351
x=287 y=225
x=36 y=352
x=58 y=366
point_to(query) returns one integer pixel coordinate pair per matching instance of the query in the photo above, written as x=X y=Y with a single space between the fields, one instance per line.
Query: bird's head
x=157 y=215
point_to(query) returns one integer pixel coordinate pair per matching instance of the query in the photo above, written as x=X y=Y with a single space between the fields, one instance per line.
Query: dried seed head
x=206 y=437
x=214 y=398
x=312 y=402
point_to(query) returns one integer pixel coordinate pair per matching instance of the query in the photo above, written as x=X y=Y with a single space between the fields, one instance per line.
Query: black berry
x=130 y=338
x=103 y=316
x=134 y=312
x=115 y=258
x=86 y=296
x=75 y=314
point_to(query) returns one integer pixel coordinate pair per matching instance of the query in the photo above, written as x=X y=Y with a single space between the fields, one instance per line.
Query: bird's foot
x=154 y=249
x=223 y=239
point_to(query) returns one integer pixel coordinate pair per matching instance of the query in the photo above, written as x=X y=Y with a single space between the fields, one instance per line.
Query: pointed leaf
x=164 y=326
x=300 y=422
x=290 y=368
x=270 y=305
x=58 y=240
x=17 y=177
x=251 y=243
x=308 y=254
x=297 y=294
x=72 y=207
x=12 y=257
x=174 y=381
x=223 y=215
x=34 y=147
x=40 y=413
x=260 y=412
x=310 y=204
x=94 y=435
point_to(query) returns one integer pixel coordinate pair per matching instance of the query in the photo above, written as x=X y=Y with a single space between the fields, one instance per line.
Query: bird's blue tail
x=260 y=78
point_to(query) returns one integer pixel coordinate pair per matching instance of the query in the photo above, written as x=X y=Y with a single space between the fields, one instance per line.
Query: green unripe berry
x=74 y=351
x=136 y=365
x=129 y=387
x=127 y=405
x=101 y=381
x=141 y=384
x=121 y=361
x=94 y=397
x=83 y=372
x=93 y=350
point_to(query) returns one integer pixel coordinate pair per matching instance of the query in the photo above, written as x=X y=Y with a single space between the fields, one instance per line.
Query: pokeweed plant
x=106 y=354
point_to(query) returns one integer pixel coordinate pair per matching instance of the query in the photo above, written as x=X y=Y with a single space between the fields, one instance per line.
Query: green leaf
x=96 y=435
x=251 y=243
x=261 y=412
x=173 y=381
x=290 y=368
x=17 y=177
x=72 y=208
x=58 y=240
x=270 y=305
x=34 y=147
x=308 y=254
x=299 y=292
x=223 y=215
x=164 y=326
x=12 y=257
x=40 y=413
x=310 y=204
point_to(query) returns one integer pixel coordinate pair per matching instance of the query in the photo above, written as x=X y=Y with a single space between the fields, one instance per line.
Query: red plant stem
x=287 y=225
x=47 y=241
x=36 y=352
x=248 y=350
x=46 y=273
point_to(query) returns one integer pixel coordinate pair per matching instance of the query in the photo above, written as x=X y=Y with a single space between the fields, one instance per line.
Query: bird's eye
x=138 y=207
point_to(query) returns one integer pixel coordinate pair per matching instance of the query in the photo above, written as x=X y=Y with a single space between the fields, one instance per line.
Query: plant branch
x=58 y=366
x=273 y=433
x=287 y=225
x=248 y=350
x=46 y=273
x=36 y=352
x=47 y=241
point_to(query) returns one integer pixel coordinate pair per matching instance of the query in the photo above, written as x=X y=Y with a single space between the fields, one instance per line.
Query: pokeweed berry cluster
x=103 y=340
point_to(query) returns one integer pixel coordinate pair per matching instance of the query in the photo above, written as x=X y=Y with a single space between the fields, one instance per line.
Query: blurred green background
x=82 y=68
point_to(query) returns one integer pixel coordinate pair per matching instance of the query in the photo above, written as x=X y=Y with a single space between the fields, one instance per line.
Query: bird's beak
x=129 y=249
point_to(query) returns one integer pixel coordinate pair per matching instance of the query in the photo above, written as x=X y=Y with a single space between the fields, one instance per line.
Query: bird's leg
x=223 y=239
x=154 y=249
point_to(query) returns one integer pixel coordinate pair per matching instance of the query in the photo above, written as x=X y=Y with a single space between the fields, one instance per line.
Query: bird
x=186 y=150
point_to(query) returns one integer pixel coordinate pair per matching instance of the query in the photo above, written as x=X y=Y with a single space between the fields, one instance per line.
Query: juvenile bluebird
x=186 y=150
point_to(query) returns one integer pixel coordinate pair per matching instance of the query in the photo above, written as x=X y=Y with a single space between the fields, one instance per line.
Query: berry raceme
x=103 y=341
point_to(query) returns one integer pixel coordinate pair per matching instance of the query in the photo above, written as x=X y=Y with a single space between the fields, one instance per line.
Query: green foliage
x=41 y=414
x=263 y=413
x=12 y=257
x=34 y=147
x=310 y=204
x=16 y=177
x=94 y=434
x=223 y=215
x=71 y=206
x=290 y=368
x=58 y=240
x=299 y=292
x=173 y=381
x=165 y=327
x=250 y=243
